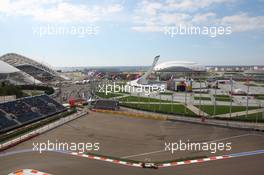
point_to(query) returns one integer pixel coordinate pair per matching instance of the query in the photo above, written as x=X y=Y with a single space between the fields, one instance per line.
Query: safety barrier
x=39 y=131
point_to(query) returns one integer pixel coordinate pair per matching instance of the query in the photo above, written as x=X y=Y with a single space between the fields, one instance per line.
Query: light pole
x=160 y=102
x=185 y=101
x=172 y=103
x=200 y=97
x=216 y=86
x=247 y=97
x=231 y=99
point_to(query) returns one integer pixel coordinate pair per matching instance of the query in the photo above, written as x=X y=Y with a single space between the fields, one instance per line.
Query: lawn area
x=202 y=92
x=109 y=95
x=166 y=93
x=222 y=98
x=209 y=109
x=202 y=98
x=260 y=97
x=141 y=99
x=163 y=108
x=250 y=118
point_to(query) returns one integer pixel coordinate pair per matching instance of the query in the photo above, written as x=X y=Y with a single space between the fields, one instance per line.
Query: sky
x=132 y=32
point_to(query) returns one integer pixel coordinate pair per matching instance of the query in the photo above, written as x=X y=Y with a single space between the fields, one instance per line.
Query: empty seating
x=42 y=106
x=106 y=104
x=48 y=99
x=5 y=122
x=27 y=110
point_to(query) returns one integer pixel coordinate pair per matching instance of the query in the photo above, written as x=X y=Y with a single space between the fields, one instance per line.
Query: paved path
x=196 y=110
x=241 y=113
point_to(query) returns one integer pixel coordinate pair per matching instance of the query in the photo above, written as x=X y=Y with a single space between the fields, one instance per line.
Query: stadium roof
x=179 y=66
x=18 y=61
x=6 y=68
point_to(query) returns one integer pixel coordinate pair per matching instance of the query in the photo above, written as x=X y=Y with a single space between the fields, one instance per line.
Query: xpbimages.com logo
x=57 y=30
x=117 y=88
x=212 y=147
x=65 y=146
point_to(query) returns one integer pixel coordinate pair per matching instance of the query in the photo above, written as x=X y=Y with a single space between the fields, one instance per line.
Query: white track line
x=143 y=154
x=228 y=138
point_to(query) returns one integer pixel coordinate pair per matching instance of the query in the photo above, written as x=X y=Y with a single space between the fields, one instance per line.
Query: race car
x=150 y=165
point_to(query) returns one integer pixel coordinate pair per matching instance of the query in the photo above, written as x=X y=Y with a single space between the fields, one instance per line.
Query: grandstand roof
x=179 y=66
x=6 y=68
x=16 y=76
x=17 y=60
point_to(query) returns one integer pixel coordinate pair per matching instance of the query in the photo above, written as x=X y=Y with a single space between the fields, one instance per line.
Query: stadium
x=31 y=67
x=14 y=75
x=54 y=125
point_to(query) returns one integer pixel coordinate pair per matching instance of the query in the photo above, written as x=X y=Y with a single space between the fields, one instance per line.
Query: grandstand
x=15 y=76
x=23 y=111
x=106 y=104
x=39 y=74
x=31 y=67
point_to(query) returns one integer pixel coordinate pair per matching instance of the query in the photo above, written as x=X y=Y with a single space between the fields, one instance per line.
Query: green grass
x=209 y=109
x=222 y=98
x=250 y=118
x=178 y=109
x=6 y=90
x=140 y=99
x=166 y=93
x=163 y=108
x=260 y=97
x=202 y=92
x=109 y=95
x=202 y=98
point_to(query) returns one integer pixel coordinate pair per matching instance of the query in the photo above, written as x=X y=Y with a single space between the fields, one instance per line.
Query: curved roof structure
x=6 y=68
x=14 y=75
x=179 y=66
x=20 y=61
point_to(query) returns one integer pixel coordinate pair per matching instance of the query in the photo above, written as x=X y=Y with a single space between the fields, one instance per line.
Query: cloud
x=57 y=10
x=243 y=22
x=152 y=16
x=193 y=5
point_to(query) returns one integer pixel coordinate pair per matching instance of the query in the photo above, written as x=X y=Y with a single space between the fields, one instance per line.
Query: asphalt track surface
x=137 y=139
